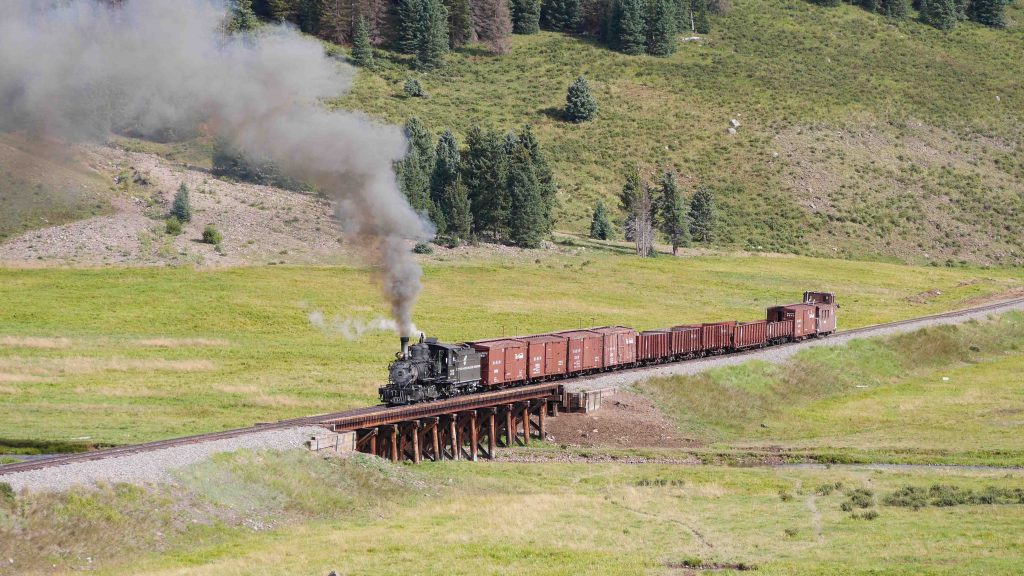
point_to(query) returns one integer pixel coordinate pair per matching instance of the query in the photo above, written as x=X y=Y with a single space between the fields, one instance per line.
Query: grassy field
x=943 y=395
x=860 y=136
x=294 y=513
x=124 y=355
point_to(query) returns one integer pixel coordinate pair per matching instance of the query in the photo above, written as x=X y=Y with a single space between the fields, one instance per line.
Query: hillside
x=860 y=136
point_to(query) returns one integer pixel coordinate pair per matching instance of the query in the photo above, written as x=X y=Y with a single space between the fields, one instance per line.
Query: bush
x=413 y=89
x=785 y=496
x=858 y=498
x=173 y=226
x=423 y=248
x=6 y=493
x=908 y=497
x=211 y=235
x=948 y=495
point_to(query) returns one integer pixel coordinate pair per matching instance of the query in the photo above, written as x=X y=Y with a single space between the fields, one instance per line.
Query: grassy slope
x=119 y=360
x=890 y=138
x=45 y=185
x=951 y=394
x=498 y=518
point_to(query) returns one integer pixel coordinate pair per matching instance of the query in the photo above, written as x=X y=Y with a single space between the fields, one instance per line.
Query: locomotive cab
x=430 y=370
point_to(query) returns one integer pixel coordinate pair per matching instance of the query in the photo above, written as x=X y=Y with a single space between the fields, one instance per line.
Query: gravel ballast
x=154 y=466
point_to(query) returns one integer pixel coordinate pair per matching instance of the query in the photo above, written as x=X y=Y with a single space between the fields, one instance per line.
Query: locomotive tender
x=430 y=370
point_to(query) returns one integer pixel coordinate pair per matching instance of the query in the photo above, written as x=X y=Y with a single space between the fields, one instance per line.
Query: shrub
x=211 y=235
x=785 y=496
x=423 y=248
x=413 y=89
x=908 y=497
x=173 y=226
x=949 y=495
x=6 y=493
x=791 y=532
x=858 y=498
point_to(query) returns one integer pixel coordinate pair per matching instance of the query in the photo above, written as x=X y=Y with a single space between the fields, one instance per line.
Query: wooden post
x=540 y=421
x=554 y=409
x=394 y=443
x=526 y=424
x=454 y=438
x=436 y=444
x=373 y=441
x=415 y=441
x=510 y=430
x=474 y=436
x=491 y=440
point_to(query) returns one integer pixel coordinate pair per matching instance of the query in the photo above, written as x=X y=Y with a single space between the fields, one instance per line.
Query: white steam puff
x=81 y=69
x=352 y=328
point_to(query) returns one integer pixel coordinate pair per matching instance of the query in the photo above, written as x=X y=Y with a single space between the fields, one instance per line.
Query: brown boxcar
x=750 y=334
x=826 y=316
x=654 y=345
x=546 y=354
x=686 y=339
x=503 y=361
x=619 y=345
x=782 y=330
x=802 y=315
x=586 y=350
x=717 y=335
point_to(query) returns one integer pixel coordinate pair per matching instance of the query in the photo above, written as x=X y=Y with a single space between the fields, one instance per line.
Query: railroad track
x=373 y=415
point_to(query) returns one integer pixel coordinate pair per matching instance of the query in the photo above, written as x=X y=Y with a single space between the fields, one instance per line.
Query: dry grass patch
x=34 y=342
x=42 y=367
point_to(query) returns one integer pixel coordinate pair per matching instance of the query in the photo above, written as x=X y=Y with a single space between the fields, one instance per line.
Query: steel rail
x=376 y=415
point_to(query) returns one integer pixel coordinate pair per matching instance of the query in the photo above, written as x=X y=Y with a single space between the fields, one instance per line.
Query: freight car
x=430 y=370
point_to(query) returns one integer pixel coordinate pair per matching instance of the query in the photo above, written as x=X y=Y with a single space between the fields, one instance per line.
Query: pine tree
x=661 y=29
x=484 y=172
x=545 y=176
x=941 y=14
x=446 y=163
x=309 y=16
x=580 y=105
x=181 y=208
x=989 y=12
x=525 y=16
x=898 y=9
x=434 y=36
x=702 y=215
x=280 y=10
x=561 y=15
x=444 y=175
x=362 y=51
x=492 y=23
x=699 y=10
x=456 y=210
x=411 y=14
x=460 y=23
x=629 y=27
x=628 y=200
x=423 y=141
x=672 y=218
x=413 y=182
x=242 y=17
x=415 y=169
x=600 y=227
x=527 y=223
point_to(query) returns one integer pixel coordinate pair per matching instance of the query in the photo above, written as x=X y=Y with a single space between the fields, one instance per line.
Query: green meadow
x=125 y=355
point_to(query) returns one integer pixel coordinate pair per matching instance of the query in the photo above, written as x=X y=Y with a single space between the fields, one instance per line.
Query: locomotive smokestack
x=405 y=346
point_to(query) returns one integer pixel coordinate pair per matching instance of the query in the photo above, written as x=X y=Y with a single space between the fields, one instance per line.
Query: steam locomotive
x=431 y=370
